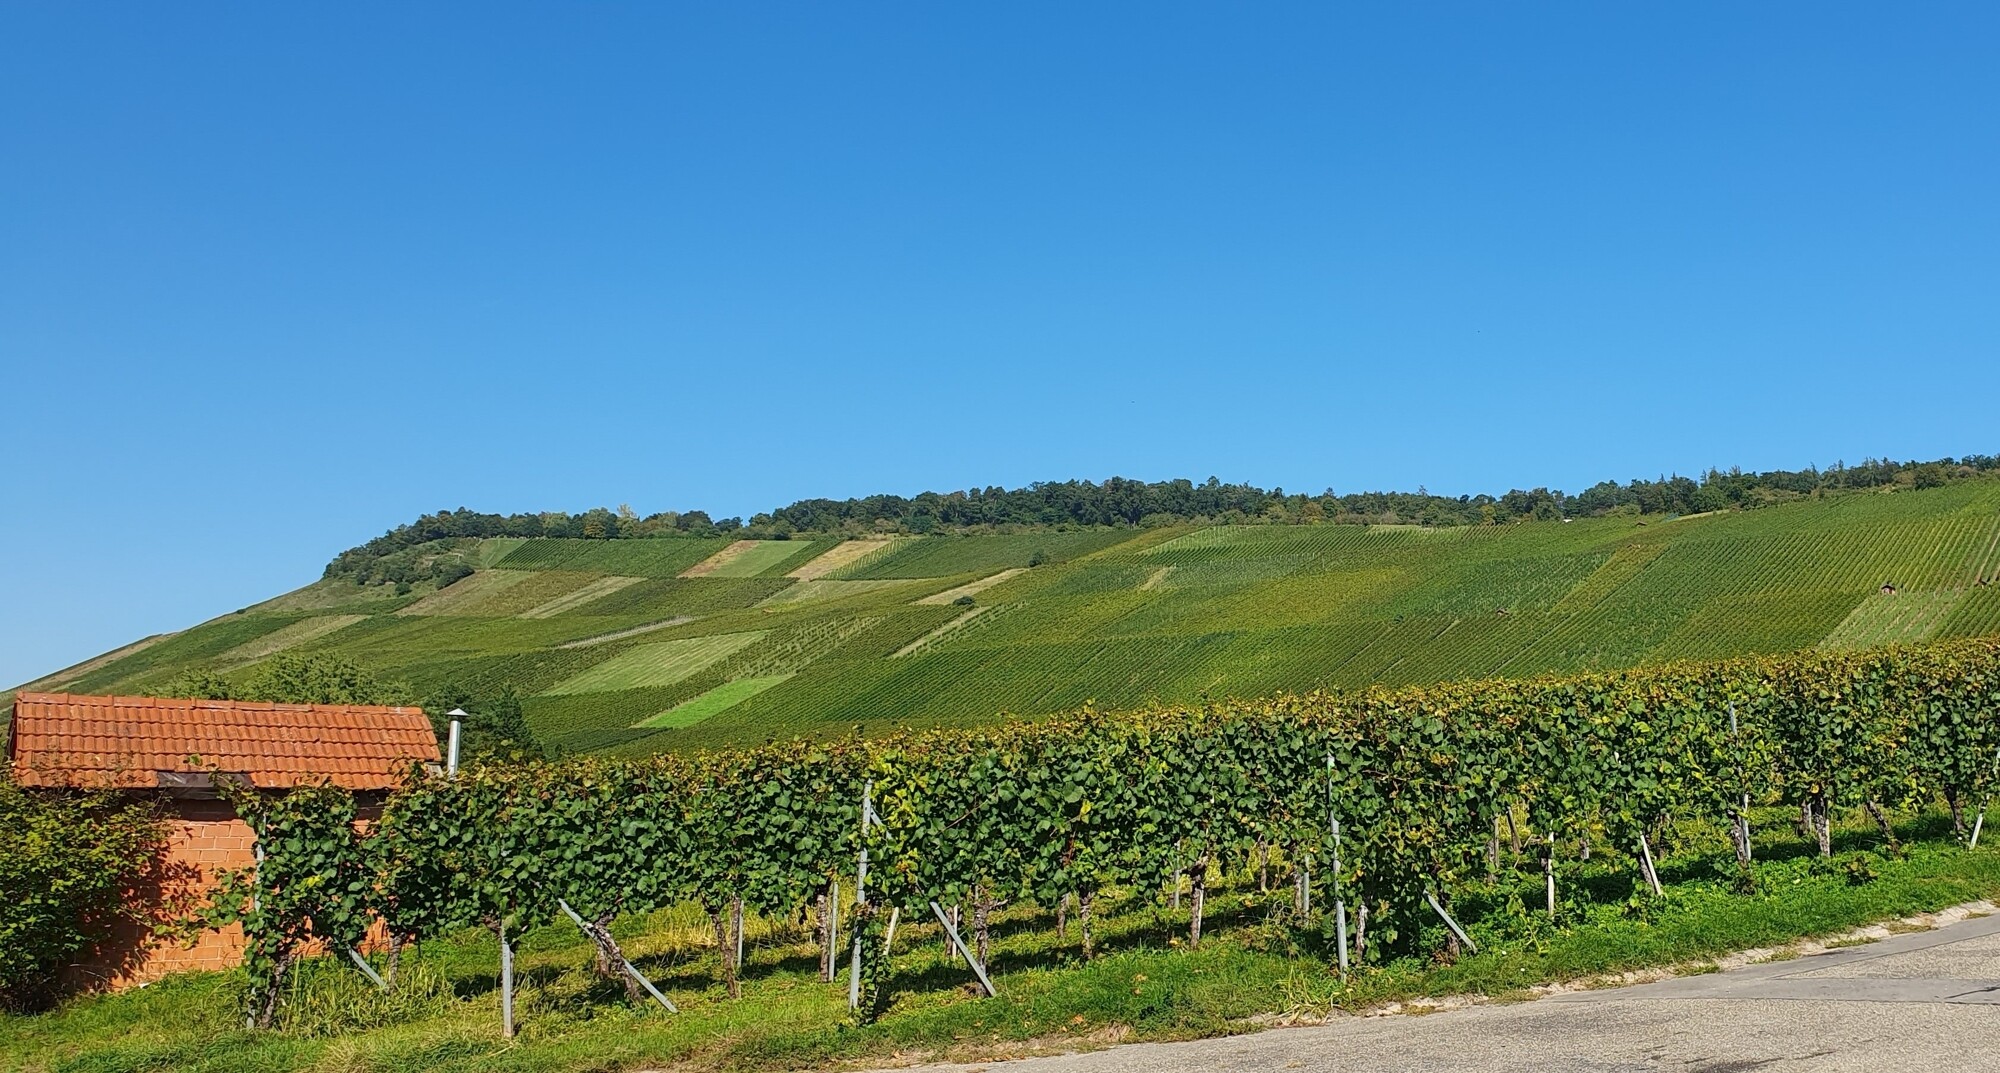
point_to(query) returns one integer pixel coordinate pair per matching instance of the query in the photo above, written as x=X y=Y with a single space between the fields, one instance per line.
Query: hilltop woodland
x=1121 y=502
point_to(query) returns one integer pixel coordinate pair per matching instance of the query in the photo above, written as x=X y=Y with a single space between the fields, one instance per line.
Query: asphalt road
x=1925 y=1002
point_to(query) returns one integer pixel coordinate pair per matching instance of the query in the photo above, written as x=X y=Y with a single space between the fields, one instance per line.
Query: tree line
x=397 y=556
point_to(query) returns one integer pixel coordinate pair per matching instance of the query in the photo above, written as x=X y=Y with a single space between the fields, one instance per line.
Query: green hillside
x=660 y=643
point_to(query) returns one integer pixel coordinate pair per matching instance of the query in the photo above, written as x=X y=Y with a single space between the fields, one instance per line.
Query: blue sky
x=274 y=278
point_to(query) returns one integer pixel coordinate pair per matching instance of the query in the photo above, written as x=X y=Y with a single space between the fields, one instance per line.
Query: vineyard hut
x=170 y=750
x=1888 y=588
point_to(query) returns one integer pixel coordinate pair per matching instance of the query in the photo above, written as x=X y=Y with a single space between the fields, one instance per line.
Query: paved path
x=1925 y=1002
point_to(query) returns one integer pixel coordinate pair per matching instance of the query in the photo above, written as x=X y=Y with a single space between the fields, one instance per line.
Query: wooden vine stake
x=1493 y=853
x=1197 y=900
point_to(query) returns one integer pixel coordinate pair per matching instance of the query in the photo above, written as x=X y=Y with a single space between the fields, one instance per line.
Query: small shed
x=168 y=747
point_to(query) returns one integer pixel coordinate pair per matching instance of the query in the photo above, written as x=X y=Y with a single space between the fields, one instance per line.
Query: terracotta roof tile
x=74 y=740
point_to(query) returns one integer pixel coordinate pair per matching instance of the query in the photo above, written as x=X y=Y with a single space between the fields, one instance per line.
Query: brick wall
x=206 y=840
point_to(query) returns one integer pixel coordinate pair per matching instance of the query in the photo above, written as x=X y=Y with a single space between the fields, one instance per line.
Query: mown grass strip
x=661 y=663
x=1892 y=618
x=763 y=557
x=715 y=701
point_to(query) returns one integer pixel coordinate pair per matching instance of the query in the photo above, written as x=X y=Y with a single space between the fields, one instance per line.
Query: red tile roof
x=63 y=739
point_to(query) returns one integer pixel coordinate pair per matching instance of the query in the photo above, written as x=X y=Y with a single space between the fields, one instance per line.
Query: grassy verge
x=1142 y=985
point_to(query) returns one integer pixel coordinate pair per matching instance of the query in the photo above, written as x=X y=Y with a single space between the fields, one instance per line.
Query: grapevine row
x=1057 y=810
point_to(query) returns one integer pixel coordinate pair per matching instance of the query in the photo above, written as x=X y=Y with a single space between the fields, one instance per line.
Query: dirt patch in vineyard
x=843 y=555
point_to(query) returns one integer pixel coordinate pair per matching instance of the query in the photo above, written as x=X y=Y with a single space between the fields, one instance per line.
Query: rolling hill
x=673 y=642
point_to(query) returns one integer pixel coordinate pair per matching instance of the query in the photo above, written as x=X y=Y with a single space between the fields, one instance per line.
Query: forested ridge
x=1119 y=501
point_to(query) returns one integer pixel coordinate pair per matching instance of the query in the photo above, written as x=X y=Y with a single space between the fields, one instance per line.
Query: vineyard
x=1390 y=806
x=602 y=639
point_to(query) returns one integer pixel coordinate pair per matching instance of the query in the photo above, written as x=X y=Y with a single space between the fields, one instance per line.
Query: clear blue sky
x=275 y=278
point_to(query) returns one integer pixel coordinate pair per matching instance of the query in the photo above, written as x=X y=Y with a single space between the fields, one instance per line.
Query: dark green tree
x=289 y=679
x=199 y=683
x=317 y=679
x=494 y=726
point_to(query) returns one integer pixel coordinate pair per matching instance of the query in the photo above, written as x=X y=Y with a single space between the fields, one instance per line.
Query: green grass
x=658 y=663
x=596 y=588
x=715 y=701
x=686 y=596
x=499 y=593
x=1977 y=615
x=770 y=556
x=278 y=640
x=201 y=646
x=820 y=590
x=493 y=549
x=1904 y=617
x=945 y=556
x=663 y=557
x=336 y=595
x=1257 y=958
x=1137 y=616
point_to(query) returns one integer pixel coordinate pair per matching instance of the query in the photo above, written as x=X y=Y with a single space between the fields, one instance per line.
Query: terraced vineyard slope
x=676 y=642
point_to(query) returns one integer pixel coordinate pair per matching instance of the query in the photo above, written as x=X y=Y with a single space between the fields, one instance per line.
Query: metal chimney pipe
x=451 y=750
